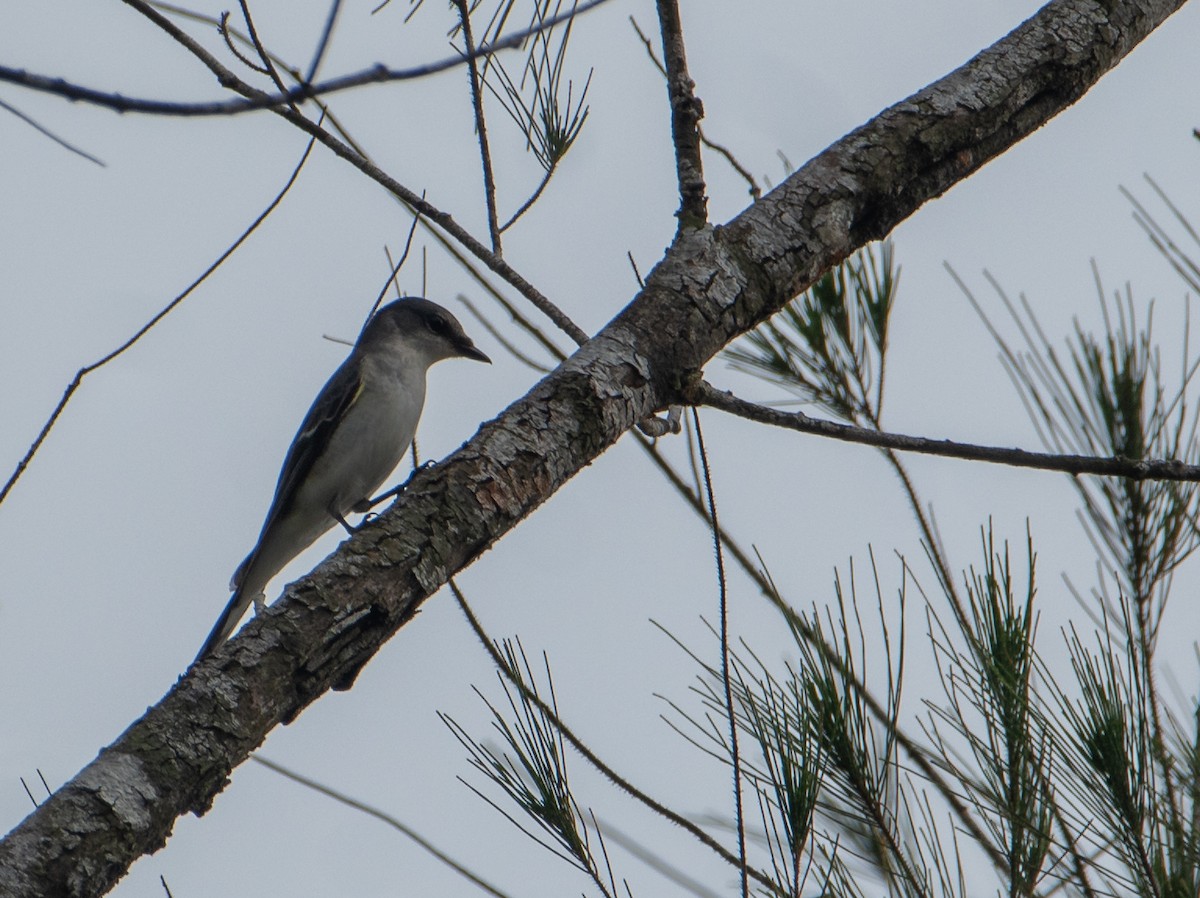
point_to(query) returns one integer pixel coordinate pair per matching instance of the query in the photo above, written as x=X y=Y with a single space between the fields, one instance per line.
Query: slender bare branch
x=686 y=112
x=533 y=198
x=726 y=681
x=141 y=332
x=364 y=164
x=268 y=64
x=376 y=74
x=46 y=132
x=485 y=150
x=753 y=188
x=385 y=817
x=227 y=35
x=1144 y=469
x=323 y=43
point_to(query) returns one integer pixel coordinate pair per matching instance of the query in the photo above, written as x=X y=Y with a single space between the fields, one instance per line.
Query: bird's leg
x=337 y=516
x=365 y=505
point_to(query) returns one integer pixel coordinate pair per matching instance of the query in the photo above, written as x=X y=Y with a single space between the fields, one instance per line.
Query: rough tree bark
x=711 y=286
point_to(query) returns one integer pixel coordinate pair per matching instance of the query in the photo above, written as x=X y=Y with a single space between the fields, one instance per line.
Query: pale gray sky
x=119 y=541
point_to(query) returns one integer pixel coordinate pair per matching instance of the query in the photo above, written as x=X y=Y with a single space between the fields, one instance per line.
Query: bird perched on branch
x=357 y=431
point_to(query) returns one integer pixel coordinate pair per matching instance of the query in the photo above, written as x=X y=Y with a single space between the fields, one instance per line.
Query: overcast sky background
x=117 y=544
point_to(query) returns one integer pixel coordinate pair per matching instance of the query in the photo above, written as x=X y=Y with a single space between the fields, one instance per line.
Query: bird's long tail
x=226 y=623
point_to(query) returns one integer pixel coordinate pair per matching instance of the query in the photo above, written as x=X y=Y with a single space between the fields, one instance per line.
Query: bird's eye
x=437 y=325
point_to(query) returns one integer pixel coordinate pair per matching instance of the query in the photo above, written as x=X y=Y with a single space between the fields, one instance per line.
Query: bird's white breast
x=378 y=428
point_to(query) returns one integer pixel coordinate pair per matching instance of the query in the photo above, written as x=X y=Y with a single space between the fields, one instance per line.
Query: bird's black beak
x=468 y=351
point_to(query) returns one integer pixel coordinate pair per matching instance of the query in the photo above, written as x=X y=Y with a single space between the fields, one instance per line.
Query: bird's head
x=420 y=327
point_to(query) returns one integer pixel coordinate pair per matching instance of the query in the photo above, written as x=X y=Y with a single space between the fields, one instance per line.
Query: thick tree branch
x=712 y=286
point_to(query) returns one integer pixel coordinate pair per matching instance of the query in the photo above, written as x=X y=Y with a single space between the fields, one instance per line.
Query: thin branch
x=933 y=541
x=227 y=34
x=387 y=818
x=393 y=272
x=722 y=586
x=323 y=44
x=754 y=189
x=377 y=74
x=1146 y=469
x=443 y=237
x=528 y=204
x=485 y=150
x=686 y=112
x=267 y=63
x=28 y=791
x=166 y=310
x=46 y=132
x=364 y=164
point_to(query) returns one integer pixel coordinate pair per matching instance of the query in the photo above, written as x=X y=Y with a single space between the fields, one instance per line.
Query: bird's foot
x=653 y=426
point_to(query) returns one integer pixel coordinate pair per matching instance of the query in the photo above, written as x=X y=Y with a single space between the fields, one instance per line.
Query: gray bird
x=357 y=431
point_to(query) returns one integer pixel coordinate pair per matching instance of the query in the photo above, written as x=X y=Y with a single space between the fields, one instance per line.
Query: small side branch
x=686 y=112
x=141 y=332
x=731 y=713
x=752 y=185
x=377 y=74
x=363 y=163
x=485 y=151
x=46 y=132
x=384 y=817
x=702 y=393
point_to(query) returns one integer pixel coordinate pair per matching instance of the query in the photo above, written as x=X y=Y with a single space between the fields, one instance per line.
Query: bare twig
x=393 y=271
x=686 y=112
x=1145 y=469
x=323 y=44
x=267 y=62
x=754 y=189
x=377 y=74
x=385 y=817
x=227 y=34
x=141 y=332
x=528 y=204
x=722 y=586
x=28 y=791
x=46 y=132
x=485 y=151
x=364 y=164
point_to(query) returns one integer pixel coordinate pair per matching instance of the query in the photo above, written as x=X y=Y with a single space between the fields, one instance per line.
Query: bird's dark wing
x=328 y=409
